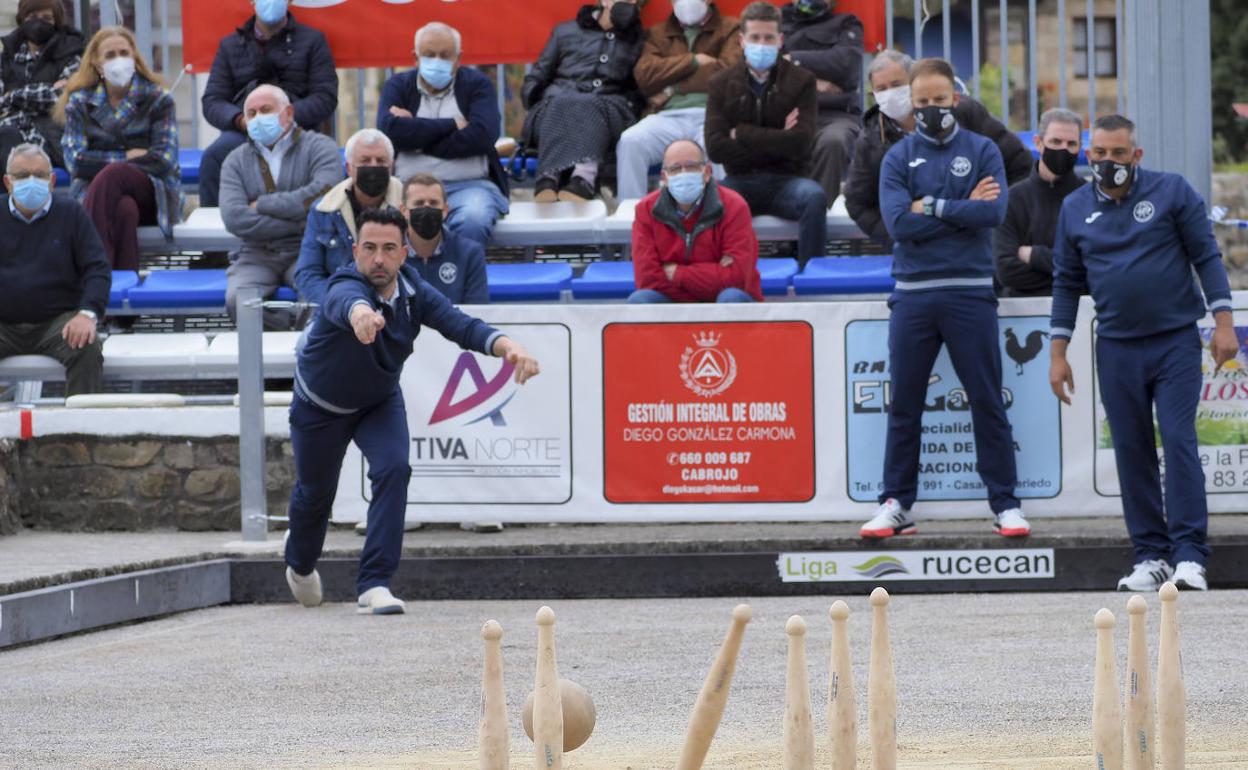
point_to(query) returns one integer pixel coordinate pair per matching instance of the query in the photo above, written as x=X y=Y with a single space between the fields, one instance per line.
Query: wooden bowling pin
x=547 y=703
x=881 y=688
x=799 y=733
x=1171 y=694
x=493 y=749
x=709 y=708
x=1137 y=690
x=1106 y=709
x=842 y=708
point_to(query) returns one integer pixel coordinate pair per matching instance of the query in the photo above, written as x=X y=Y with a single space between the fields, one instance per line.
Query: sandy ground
x=984 y=681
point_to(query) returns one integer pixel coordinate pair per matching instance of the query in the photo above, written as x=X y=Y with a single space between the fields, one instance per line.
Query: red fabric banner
x=378 y=33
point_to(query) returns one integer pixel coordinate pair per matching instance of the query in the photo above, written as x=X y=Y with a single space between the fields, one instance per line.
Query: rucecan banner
x=378 y=33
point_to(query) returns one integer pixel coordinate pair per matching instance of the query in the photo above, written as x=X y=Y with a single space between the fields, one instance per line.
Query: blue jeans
x=476 y=204
x=210 y=165
x=652 y=297
x=788 y=197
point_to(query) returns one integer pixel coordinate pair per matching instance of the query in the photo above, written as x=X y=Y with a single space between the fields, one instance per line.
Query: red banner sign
x=378 y=33
x=708 y=412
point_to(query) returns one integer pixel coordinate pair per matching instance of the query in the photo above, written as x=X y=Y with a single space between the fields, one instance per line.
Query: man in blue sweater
x=942 y=191
x=347 y=389
x=1135 y=236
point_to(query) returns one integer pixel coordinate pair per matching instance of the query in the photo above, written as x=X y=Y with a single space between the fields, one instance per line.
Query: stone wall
x=1231 y=191
x=9 y=520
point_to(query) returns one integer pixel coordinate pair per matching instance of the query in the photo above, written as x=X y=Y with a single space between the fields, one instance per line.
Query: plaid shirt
x=20 y=107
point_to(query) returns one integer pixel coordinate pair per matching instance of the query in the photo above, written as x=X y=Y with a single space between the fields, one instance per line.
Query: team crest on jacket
x=707 y=370
x=961 y=166
x=447 y=272
x=1144 y=211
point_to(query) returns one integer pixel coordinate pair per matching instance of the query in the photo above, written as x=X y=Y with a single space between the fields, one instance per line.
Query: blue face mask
x=686 y=186
x=265 y=129
x=761 y=57
x=436 y=72
x=31 y=192
x=271 y=11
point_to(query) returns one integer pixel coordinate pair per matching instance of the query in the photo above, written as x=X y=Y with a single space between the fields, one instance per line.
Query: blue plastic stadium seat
x=776 y=274
x=1026 y=138
x=189 y=160
x=285 y=294
x=528 y=281
x=845 y=275
x=123 y=282
x=62 y=177
x=604 y=280
x=180 y=289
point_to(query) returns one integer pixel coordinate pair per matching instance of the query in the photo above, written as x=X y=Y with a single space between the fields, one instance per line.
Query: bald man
x=267 y=186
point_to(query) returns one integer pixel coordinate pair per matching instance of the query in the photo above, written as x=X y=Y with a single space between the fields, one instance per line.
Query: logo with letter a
x=485 y=401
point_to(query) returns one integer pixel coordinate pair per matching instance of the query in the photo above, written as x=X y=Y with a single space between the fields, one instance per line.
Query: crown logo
x=706 y=339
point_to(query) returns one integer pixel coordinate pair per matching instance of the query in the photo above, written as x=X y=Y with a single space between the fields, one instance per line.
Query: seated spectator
x=890 y=120
x=829 y=45
x=267 y=187
x=580 y=96
x=121 y=144
x=54 y=277
x=1023 y=244
x=448 y=261
x=680 y=56
x=331 y=228
x=443 y=120
x=760 y=124
x=720 y=264
x=36 y=61
x=271 y=47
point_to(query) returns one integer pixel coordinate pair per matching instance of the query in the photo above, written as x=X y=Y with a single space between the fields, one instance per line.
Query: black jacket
x=862 y=187
x=55 y=54
x=1031 y=220
x=573 y=60
x=297 y=60
x=762 y=144
x=830 y=46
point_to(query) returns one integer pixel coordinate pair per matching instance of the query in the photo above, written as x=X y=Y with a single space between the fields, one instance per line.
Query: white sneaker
x=1188 y=575
x=1012 y=524
x=379 y=601
x=306 y=588
x=1148 y=575
x=361 y=527
x=890 y=519
x=481 y=526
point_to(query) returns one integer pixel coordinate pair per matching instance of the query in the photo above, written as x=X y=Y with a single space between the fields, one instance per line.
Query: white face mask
x=895 y=102
x=119 y=71
x=689 y=12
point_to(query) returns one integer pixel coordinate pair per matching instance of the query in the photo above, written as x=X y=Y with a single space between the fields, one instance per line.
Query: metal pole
x=888 y=22
x=195 y=110
x=251 y=434
x=143 y=28
x=918 y=29
x=975 y=43
x=164 y=36
x=946 y=30
x=360 y=72
x=1120 y=56
x=1033 y=96
x=1062 y=23
x=1091 y=61
x=500 y=73
x=1003 y=29
x=108 y=14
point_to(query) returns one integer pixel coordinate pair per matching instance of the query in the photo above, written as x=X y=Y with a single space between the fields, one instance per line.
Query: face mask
x=1058 y=161
x=623 y=15
x=265 y=129
x=119 y=71
x=1111 y=175
x=426 y=221
x=31 y=192
x=689 y=12
x=372 y=180
x=934 y=120
x=271 y=11
x=686 y=186
x=761 y=57
x=38 y=31
x=436 y=72
x=895 y=102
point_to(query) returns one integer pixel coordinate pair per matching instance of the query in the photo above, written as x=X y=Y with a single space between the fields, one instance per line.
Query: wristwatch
x=929 y=205
x=89 y=314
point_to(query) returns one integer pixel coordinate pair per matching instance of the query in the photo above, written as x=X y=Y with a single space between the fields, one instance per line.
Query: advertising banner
x=884 y=566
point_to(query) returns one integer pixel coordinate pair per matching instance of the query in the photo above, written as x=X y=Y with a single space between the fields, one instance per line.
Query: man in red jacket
x=693 y=240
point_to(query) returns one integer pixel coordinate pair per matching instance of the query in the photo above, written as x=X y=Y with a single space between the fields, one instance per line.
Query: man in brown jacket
x=760 y=124
x=680 y=56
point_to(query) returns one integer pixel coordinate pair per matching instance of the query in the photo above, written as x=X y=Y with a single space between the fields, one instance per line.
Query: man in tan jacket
x=680 y=56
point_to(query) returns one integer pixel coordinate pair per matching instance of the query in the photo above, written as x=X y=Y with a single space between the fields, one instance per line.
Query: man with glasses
x=54 y=274
x=693 y=239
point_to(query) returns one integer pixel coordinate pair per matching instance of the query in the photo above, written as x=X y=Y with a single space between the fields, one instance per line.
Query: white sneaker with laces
x=306 y=588
x=379 y=601
x=890 y=519
x=1011 y=523
x=1148 y=575
x=1190 y=576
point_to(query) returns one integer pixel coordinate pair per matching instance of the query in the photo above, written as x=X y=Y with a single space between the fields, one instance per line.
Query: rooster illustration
x=1021 y=354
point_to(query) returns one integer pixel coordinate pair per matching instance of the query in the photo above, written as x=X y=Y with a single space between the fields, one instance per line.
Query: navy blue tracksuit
x=944 y=269
x=1137 y=256
x=346 y=391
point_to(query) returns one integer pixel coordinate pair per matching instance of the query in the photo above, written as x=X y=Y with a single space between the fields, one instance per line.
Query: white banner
x=883 y=566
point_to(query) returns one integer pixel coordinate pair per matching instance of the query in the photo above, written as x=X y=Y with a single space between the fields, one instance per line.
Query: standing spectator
x=942 y=190
x=693 y=240
x=1139 y=239
x=681 y=54
x=1023 y=243
x=36 y=61
x=54 y=278
x=829 y=45
x=890 y=120
x=449 y=262
x=121 y=144
x=443 y=120
x=271 y=47
x=581 y=95
x=267 y=187
x=760 y=124
x=331 y=227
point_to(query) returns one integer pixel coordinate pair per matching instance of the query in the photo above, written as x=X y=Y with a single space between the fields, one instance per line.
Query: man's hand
x=366 y=322
x=790 y=120
x=704 y=59
x=399 y=112
x=658 y=100
x=986 y=190
x=1024 y=254
x=733 y=134
x=525 y=365
x=135 y=152
x=460 y=123
x=827 y=86
x=252 y=205
x=726 y=260
x=1061 y=378
x=669 y=269
x=240 y=123
x=79 y=332
x=58 y=85
x=917 y=206
x=1225 y=343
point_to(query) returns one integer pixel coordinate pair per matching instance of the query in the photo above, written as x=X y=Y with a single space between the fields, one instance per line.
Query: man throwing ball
x=347 y=389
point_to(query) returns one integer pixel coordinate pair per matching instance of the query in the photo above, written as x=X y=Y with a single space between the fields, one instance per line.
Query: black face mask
x=623 y=15
x=426 y=221
x=372 y=180
x=934 y=120
x=38 y=31
x=1059 y=161
x=1111 y=175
